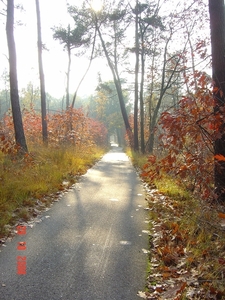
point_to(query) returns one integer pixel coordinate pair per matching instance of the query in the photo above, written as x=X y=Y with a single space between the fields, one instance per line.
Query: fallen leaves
x=221 y=215
x=219 y=157
x=181 y=267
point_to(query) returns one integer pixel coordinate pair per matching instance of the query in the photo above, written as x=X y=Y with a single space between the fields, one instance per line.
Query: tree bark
x=14 y=94
x=68 y=70
x=88 y=68
x=68 y=80
x=42 y=79
x=165 y=85
x=118 y=86
x=142 y=135
x=136 y=93
x=217 y=26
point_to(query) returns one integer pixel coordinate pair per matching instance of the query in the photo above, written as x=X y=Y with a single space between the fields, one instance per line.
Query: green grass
x=24 y=180
x=137 y=159
x=171 y=188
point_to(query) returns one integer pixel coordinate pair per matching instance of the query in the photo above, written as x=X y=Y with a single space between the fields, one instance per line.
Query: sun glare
x=96 y=5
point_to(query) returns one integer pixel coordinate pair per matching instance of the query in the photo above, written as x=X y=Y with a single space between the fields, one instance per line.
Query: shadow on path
x=89 y=244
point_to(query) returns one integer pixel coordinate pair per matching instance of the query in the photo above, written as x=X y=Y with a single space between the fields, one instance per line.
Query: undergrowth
x=187 y=252
x=31 y=179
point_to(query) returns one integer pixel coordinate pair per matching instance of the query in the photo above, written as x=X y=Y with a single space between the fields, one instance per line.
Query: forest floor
x=186 y=241
x=186 y=245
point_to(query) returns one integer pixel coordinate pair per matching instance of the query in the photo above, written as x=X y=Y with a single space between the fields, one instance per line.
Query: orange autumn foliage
x=187 y=137
x=70 y=127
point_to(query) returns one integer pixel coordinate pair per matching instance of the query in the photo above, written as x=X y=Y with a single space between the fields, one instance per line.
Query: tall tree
x=171 y=67
x=108 y=23
x=167 y=64
x=30 y=97
x=148 y=22
x=112 y=20
x=72 y=38
x=86 y=71
x=108 y=108
x=41 y=75
x=14 y=94
x=136 y=84
x=217 y=25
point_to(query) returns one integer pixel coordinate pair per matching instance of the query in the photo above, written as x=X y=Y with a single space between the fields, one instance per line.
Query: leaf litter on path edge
x=173 y=269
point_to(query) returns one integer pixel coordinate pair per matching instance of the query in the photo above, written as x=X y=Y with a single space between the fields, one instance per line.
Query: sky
x=53 y=13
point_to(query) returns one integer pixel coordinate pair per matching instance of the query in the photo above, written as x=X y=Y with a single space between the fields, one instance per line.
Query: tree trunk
x=118 y=88
x=149 y=147
x=119 y=136
x=68 y=81
x=42 y=79
x=151 y=141
x=14 y=94
x=217 y=25
x=88 y=68
x=164 y=87
x=68 y=71
x=142 y=96
x=136 y=143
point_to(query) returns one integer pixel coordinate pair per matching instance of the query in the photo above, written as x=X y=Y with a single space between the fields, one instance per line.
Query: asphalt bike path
x=91 y=244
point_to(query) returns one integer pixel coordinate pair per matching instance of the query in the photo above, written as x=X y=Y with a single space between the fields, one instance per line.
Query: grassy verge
x=33 y=180
x=187 y=252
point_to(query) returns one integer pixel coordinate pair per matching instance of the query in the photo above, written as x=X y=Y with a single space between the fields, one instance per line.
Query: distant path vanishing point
x=89 y=245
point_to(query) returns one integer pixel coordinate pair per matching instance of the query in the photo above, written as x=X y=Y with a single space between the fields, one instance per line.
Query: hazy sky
x=53 y=13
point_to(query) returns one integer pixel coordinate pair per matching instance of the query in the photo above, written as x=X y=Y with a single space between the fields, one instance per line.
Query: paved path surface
x=89 y=245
